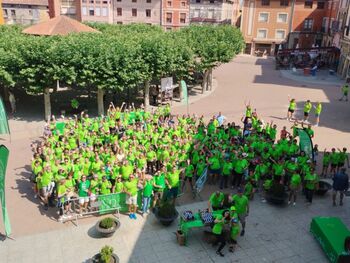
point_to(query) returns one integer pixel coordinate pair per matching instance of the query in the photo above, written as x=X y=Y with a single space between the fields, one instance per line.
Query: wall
x=250 y=20
x=301 y=13
x=2 y=21
x=218 y=12
x=25 y=12
x=176 y=8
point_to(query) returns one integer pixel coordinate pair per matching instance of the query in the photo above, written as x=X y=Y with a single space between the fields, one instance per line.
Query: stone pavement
x=273 y=234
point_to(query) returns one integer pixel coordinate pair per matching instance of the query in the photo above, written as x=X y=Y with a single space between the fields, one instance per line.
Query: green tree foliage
x=122 y=56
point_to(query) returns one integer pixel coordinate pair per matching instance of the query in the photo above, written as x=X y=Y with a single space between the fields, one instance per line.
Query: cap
x=233 y=208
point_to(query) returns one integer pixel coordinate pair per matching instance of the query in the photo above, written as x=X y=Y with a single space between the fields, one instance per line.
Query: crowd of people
x=156 y=154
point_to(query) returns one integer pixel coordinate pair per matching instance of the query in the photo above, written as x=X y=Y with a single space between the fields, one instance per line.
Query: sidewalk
x=322 y=77
x=273 y=234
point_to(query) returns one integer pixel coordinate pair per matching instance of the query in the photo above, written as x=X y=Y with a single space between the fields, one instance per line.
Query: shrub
x=106 y=254
x=107 y=223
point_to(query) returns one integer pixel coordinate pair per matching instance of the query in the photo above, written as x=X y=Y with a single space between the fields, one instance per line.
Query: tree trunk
x=100 y=106
x=181 y=95
x=210 y=80
x=47 y=104
x=6 y=94
x=205 y=81
x=146 y=95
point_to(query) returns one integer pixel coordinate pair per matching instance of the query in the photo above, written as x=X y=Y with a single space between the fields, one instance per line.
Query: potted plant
x=107 y=226
x=106 y=255
x=277 y=194
x=166 y=213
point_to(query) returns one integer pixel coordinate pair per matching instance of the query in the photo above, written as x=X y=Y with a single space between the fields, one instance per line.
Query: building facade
x=211 y=11
x=265 y=24
x=344 y=42
x=175 y=14
x=25 y=12
x=70 y=8
x=2 y=21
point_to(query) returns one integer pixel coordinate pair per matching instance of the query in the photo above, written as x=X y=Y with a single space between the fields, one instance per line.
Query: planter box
x=107 y=232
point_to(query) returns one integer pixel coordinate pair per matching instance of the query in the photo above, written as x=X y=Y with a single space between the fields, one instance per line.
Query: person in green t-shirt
x=131 y=188
x=342 y=157
x=318 y=109
x=345 y=92
x=311 y=183
x=172 y=181
x=94 y=188
x=226 y=173
x=62 y=198
x=158 y=187
x=241 y=203
x=214 y=167
x=234 y=231
x=216 y=201
x=325 y=163
x=83 y=189
x=147 y=194
x=291 y=109
x=294 y=186
x=333 y=159
x=119 y=186
x=307 y=109
x=218 y=232
x=189 y=171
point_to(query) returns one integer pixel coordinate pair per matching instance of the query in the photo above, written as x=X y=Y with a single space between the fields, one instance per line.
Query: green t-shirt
x=241 y=204
x=126 y=171
x=174 y=179
x=189 y=171
x=131 y=187
x=241 y=165
x=310 y=181
x=295 y=181
x=148 y=188
x=214 y=163
x=105 y=187
x=227 y=168
x=94 y=186
x=215 y=200
x=217 y=229
x=46 y=179
x=83 y=188
x=307 y=107
x=160 y=181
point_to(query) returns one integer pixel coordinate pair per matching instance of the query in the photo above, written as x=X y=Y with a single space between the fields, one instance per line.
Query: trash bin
x=307 y=71
x=180 y=236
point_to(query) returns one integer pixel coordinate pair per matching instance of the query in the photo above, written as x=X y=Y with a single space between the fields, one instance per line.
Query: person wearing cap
x=241 y=203
x=218 y=232
x=311 y=181
x=234 y=231
x=216 y=201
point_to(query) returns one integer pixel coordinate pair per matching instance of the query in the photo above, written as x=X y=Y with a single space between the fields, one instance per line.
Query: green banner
x=108 y=203
x=4 y=124
x=305 y=143
x=4 y=154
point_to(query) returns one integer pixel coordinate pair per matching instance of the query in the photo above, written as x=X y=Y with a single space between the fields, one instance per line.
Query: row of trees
x=120 y=57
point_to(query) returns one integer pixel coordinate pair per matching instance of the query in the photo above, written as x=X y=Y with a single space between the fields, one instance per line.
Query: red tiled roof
x=26 y=2
x=60 y=25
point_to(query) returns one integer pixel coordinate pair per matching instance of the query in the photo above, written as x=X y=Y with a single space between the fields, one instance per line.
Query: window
x=97 y=2
x=198 y=1
x=105 y=2
x=320 y=5
x=280 y=34
x=284 y=2
x=308 y=22
x=91 y=11
x=169 y=29
x=84 y=11
x=182 y=18
x=169 y=17
x=30 y=12
x=169 y=3
x=119 y=22
x=196 y=13
x=263 y=17
x=13 y=12
x=83 y=1
x=118 y=1
x=98 y=11
x=183 y=4
x=148 y=1
x=211 y=13
x=119 y=11
x=134 y=1
x=282 y=18
x=5 y=13
x=265 y=2
x=148 y=12
x=262 y=33
x=212 y=1
x=134 y=12
x=104 y=11
x=91 y=1
x=308 y=4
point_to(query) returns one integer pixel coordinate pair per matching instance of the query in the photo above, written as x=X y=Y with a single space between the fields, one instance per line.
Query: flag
x=4 y=124
x=305 y=143
x=4 y=154
x=184 y=91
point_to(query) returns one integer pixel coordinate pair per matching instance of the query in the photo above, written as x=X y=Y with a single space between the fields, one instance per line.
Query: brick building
x=211 y=11
x=344 y=41
x=25 y=12
x=175 y=14
x=2 y=21
x=265 y=24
